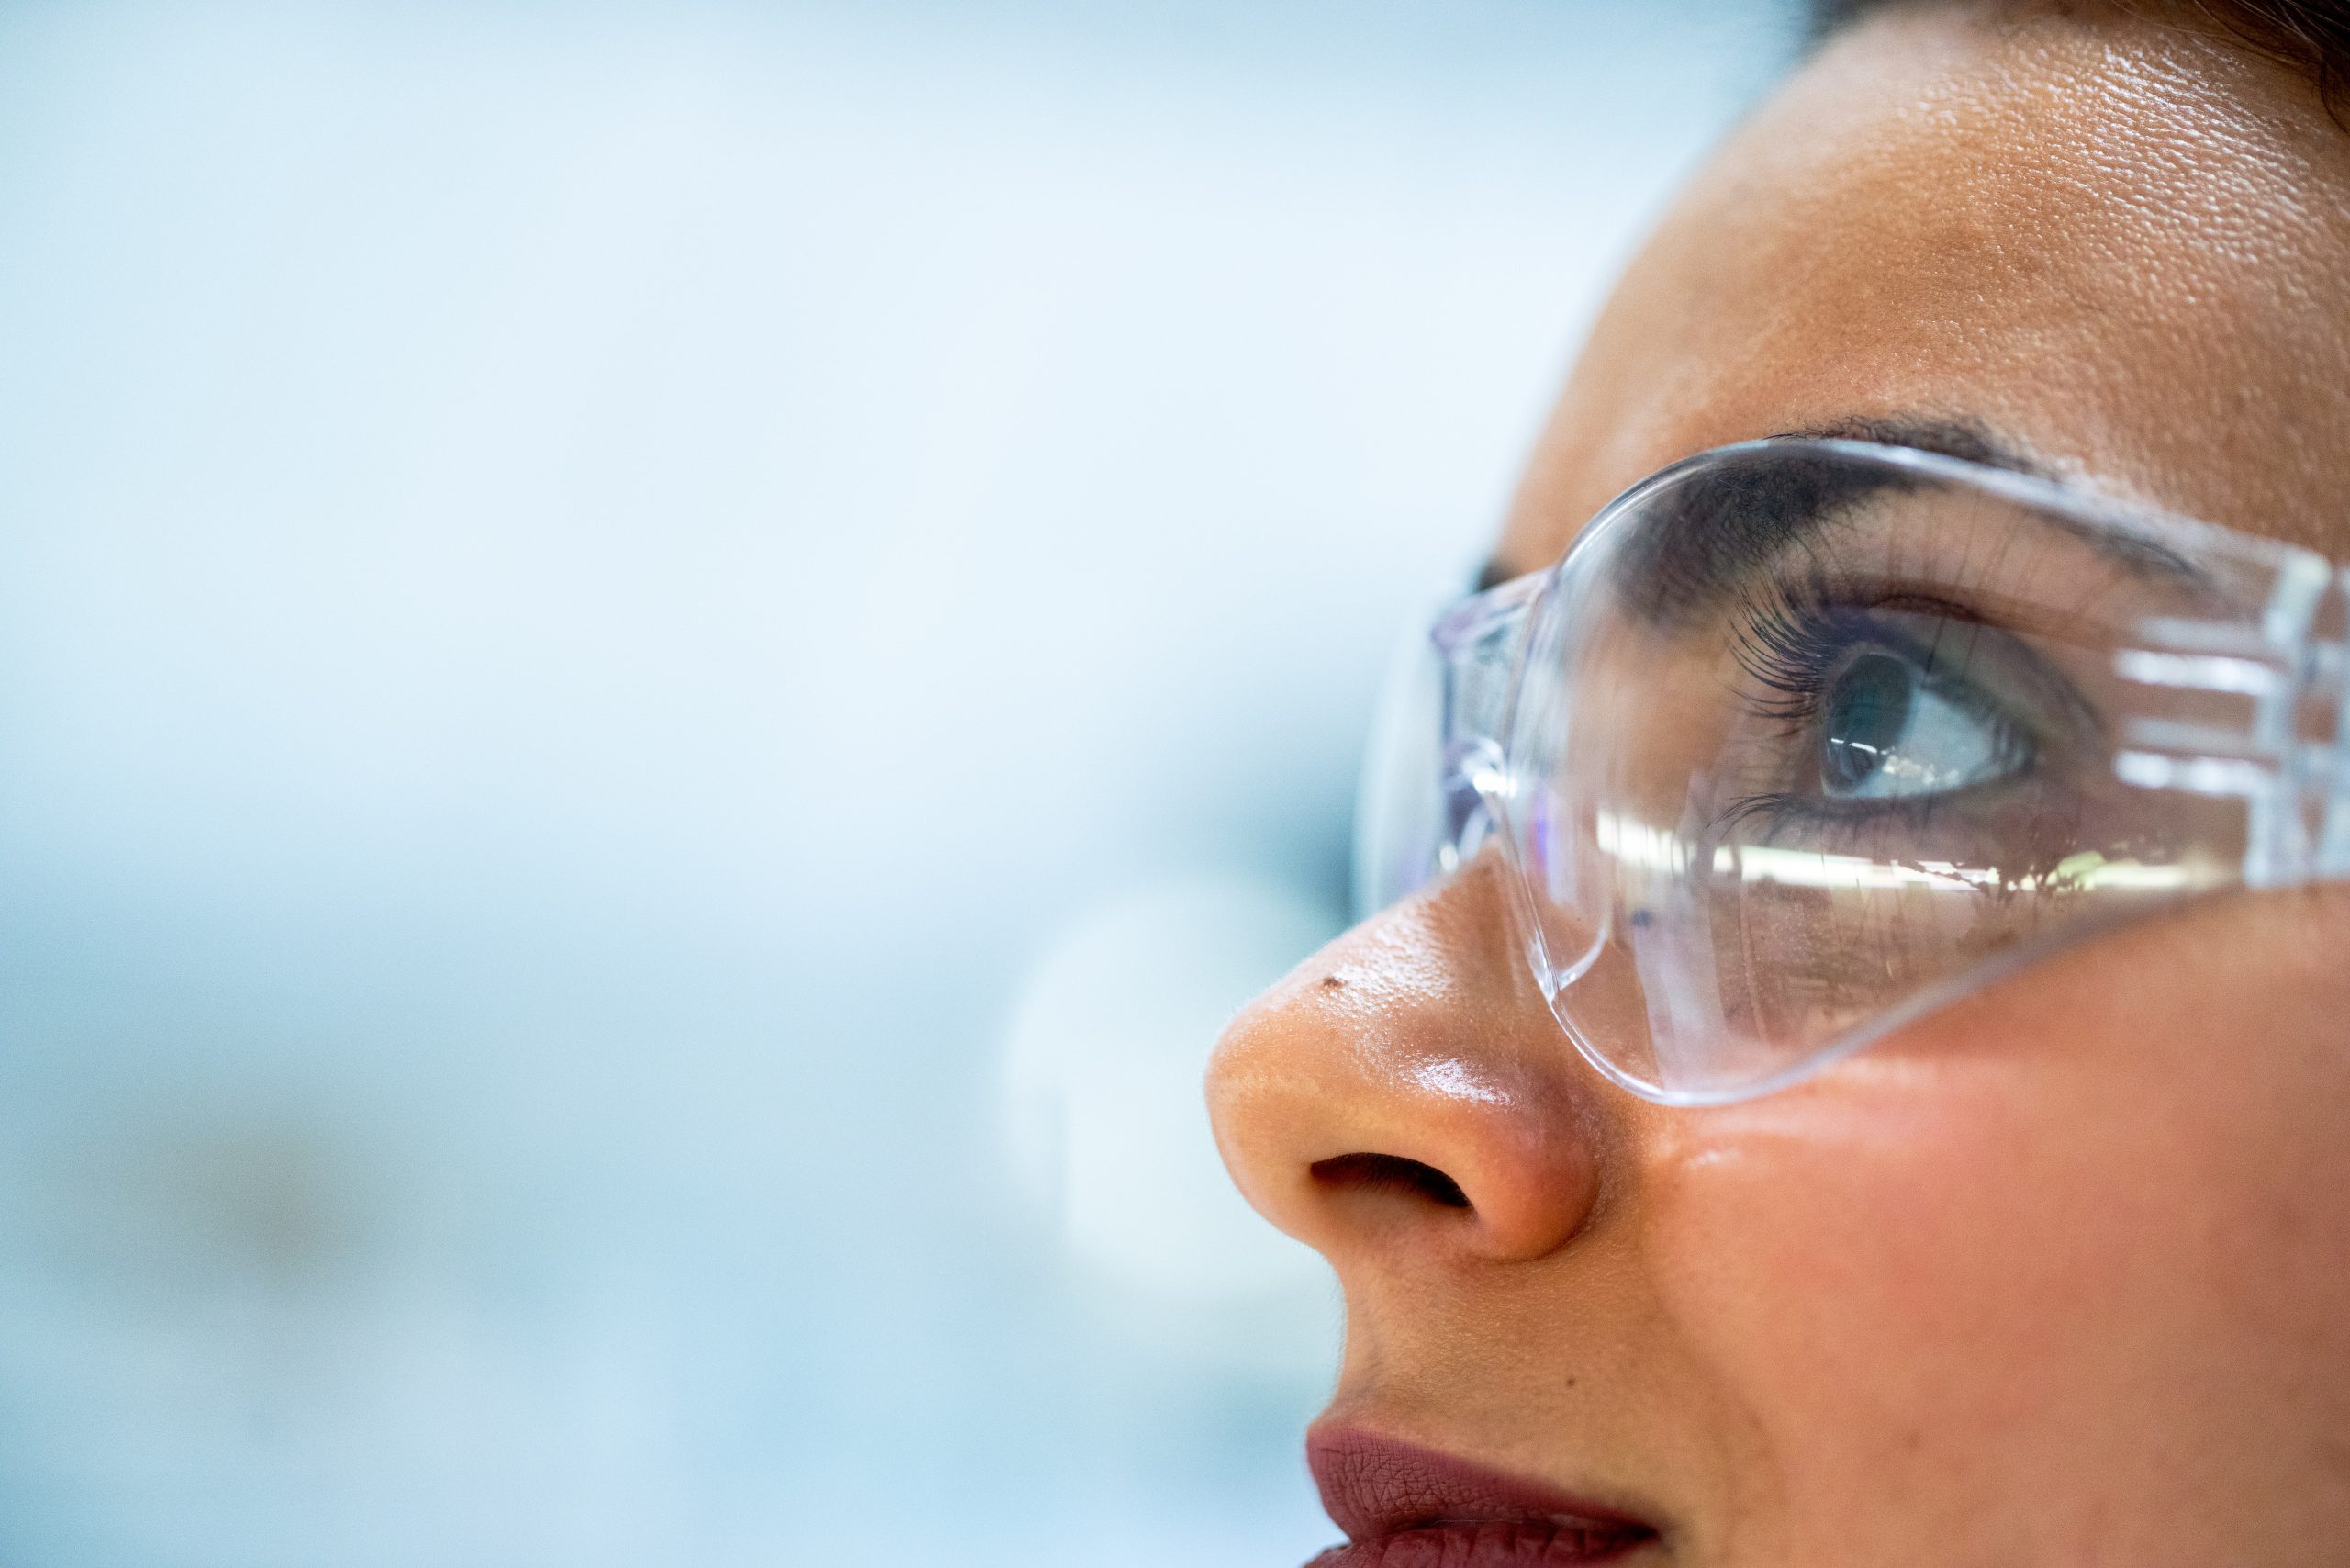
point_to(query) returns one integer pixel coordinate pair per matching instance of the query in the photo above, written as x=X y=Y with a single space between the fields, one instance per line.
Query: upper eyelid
x=1860 y=595
x=2062 y=692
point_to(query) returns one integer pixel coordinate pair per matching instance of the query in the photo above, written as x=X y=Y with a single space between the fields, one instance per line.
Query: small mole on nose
x=1333 y=982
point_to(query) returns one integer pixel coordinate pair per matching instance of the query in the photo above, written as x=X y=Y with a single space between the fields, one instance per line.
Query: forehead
x=2122 y=246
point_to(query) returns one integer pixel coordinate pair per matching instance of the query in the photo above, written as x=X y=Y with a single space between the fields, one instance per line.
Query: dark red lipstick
x=1404 y=1507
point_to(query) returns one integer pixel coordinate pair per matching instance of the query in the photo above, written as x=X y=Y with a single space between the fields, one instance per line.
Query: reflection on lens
x=1867 y=713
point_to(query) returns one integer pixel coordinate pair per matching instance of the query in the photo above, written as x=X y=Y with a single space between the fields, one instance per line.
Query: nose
x=1407 y=1086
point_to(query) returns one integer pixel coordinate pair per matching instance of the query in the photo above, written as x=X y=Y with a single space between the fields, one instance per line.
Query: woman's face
x=2060 y=1274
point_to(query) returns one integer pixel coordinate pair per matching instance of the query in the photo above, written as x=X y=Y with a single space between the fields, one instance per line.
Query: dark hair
x=2311 y=34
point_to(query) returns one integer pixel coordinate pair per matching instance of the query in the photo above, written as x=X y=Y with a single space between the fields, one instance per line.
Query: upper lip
x=1375 y=1486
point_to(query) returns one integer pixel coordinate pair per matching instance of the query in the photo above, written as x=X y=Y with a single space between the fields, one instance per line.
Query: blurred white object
x=1102 y=1070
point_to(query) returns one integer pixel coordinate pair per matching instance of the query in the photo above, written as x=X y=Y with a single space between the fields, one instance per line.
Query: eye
x=1889 y=731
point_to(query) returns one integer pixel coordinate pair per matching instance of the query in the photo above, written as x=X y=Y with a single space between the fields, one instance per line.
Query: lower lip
x=1495 y=1544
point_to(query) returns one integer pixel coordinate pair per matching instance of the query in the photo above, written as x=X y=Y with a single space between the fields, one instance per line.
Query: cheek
x=1853 y=1260
x=2000 y=1284
x=1911 y=1287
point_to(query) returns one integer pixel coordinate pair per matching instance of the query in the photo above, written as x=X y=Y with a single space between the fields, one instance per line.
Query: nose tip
x=1407 y=1081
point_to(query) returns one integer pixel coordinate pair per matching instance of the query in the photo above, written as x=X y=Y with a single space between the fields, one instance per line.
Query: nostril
x=1391 y=1171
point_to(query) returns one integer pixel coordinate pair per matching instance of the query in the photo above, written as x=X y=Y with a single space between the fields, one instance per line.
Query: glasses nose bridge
x=1472 y=773
x=1481 y=645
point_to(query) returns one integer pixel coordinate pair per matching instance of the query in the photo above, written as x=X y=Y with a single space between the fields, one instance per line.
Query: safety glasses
x=1803 y=739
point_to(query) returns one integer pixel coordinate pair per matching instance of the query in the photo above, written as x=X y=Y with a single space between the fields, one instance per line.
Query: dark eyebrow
x=1969 y=441
x=1718 y=527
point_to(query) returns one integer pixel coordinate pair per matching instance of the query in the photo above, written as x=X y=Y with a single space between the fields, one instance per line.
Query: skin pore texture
x=2060 y=1274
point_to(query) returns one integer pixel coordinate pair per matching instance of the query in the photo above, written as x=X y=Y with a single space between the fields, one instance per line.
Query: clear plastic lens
x=1803 y=739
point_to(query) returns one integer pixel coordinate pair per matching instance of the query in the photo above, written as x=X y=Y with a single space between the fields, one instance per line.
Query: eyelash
x=1786 y=643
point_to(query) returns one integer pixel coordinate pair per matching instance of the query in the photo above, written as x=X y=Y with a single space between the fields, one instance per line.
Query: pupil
x=1867 y=709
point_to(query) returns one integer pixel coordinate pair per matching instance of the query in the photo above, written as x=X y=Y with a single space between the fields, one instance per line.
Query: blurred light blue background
x=662 y=666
